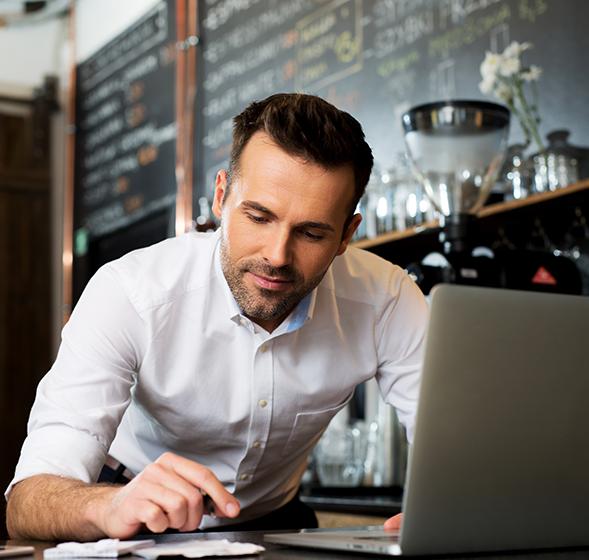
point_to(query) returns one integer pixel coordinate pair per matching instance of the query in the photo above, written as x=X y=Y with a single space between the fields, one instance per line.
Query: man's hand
x=393 y=523
x=165 y=495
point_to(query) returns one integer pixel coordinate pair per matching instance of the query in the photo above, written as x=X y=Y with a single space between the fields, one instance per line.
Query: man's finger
x=394 y=523
x=153 y=517
x=179 y=500
x=202 y=478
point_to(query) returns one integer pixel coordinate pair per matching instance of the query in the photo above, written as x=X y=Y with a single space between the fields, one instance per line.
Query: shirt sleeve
x=81 y=400
x=401 y=335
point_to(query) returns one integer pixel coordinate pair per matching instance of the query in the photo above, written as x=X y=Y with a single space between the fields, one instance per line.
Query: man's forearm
x=166 y=494
x=49 y=507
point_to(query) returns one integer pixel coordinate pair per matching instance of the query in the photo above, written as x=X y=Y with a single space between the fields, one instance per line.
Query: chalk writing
x=376 y=58
x=126 y=116
x=317 y=49
x=318 y=28
x=136 y=114
x=114 y=216
x=455 y=12
x=469 y=32
x=151 y=31
x=224 y=11
x=133 y=203
x=100 y=156
x=103 y=112
x=107 y=130
x=104 y=91
x=330 y=44
x=347 y=47
x=219 y=134
x=248 y=32
x=348 y=102
x=396 y=64
x=218 y=106
x=251 y=60
x=390 y=11
x=141 y=68
x=410 y=30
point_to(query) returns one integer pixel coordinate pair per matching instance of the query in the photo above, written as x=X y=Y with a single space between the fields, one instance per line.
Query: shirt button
x=263 y=403
x=243 y=322
x=244 y=477
x=256 y=444
x=263 y=348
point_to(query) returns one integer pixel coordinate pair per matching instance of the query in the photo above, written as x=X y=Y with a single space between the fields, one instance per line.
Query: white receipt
x=200 y=548
x=105 y=548
x=112 y=548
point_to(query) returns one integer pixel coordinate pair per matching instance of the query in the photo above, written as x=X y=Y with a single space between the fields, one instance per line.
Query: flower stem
x=530 y=122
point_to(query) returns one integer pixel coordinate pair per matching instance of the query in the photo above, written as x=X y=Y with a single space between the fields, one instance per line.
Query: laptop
x=500 y=459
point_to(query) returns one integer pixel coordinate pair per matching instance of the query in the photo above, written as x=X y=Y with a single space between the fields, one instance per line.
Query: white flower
x=510 y=67
x=487 y=85
x=504 y=77
x=490 y=66
x=533 y=74
x=512 y=51
x=516 y=49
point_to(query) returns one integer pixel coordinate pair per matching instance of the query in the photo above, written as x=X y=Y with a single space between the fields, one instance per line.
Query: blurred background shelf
x=514 y=220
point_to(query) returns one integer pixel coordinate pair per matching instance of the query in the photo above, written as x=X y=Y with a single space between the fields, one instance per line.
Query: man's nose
x=278 y=248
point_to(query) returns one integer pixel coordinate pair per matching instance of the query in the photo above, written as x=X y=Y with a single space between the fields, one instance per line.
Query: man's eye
x=257 y=219
x=312 y=236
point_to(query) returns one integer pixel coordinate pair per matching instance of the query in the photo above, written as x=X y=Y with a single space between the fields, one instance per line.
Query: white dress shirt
x=157 y=357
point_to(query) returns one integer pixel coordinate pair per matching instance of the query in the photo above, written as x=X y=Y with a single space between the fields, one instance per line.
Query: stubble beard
x=258 y=302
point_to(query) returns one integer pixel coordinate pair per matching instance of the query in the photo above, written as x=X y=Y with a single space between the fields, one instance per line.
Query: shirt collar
x=302 y=313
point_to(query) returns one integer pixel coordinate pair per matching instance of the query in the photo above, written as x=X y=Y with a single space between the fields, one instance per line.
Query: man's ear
x=220 y=186
x=352 y=227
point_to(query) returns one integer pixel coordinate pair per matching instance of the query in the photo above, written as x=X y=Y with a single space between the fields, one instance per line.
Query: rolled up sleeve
x=80 y=402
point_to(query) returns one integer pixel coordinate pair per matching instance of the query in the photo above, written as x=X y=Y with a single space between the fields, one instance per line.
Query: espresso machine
x=456 y=149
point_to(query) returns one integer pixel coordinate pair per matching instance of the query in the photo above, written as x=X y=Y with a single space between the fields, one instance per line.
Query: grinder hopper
x=457 y=148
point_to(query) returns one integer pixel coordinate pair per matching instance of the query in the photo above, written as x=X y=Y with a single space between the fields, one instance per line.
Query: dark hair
x=309 y=127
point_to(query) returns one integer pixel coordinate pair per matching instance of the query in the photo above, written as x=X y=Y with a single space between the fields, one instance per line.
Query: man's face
x=282 y=226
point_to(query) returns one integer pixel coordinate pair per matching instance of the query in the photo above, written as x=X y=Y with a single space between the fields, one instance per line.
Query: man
x=212 y=363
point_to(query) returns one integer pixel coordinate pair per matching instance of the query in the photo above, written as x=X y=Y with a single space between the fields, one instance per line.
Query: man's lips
x=268 y=283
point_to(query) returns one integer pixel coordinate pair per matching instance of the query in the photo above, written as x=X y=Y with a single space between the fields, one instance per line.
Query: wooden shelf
x=394 y=235
x=502 y=207
x=487 y=211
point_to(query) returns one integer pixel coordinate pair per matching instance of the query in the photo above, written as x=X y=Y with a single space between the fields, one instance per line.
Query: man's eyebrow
x=318 y=225
x=256 y=206
x=260 y=208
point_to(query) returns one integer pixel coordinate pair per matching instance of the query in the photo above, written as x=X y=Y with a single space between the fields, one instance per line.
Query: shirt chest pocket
x=308 y=425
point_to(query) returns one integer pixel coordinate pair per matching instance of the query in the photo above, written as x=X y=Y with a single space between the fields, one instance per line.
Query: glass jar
x=517 y=174
x=559 y=167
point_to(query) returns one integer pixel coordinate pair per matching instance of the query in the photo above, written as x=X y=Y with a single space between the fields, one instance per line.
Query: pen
x=208 y=504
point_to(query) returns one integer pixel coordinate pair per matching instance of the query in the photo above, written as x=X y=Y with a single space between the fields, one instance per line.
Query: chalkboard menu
x=377 y=58
x=125 y=129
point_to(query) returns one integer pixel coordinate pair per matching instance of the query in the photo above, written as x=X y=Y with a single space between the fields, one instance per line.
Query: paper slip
x=199 y=549
x=112 y=548
x=105 y=548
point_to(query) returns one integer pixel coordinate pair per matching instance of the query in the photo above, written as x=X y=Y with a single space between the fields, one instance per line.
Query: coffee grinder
x=457 y=149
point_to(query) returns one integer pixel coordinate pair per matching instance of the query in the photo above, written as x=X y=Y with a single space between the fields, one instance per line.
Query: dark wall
x=373 y=58
x=377 y=58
